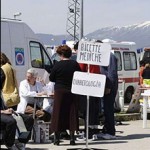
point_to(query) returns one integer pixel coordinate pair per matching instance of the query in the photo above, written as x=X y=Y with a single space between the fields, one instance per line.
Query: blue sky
x=50 y=16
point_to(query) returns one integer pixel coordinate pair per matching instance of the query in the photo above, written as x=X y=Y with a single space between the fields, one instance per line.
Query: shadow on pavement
x=85 y=149
x=36 y=148
x=98 y=142
x=135 y=136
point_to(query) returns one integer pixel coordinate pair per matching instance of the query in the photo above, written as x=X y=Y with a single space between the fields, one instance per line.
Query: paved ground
x=131 y=137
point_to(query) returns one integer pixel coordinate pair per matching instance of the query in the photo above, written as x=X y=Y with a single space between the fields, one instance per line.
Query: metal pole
x=81 y=21
x=87 y=115
x=145 y=100
x=87 y=121
x=75 y=19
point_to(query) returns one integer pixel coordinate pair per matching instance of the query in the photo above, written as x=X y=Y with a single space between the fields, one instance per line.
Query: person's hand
x=8 y=111
x=39 y=94
x=42 y=93
x=51 y=95
x=29 y=110
x=40 y=113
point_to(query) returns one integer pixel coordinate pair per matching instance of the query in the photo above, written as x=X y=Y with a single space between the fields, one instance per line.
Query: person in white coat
x=28 y=90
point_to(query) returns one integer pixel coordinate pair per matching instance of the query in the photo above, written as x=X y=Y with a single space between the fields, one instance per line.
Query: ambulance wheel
x=128 y=94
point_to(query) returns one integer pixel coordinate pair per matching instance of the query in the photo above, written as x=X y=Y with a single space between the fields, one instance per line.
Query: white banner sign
x=88 y=84
x=94 y=53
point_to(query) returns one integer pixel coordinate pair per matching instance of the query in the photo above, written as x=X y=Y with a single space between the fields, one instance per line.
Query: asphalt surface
x=130 y=136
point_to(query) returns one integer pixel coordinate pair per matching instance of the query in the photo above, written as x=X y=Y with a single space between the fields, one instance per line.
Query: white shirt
x=49 y=102
x=26 y=92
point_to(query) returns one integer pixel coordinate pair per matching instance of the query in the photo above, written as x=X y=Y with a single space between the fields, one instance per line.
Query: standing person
x=94 y=102
x=65 y=112
x=109 y=97
x=146 y=74
x=28 y=89
x=142 y=66
x=8 y=80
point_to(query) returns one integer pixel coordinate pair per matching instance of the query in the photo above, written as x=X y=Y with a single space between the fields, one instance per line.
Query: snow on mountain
x=138 y=33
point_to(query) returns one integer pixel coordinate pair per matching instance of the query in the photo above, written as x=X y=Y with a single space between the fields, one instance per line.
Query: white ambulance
x=24 y=49
x=128 y=66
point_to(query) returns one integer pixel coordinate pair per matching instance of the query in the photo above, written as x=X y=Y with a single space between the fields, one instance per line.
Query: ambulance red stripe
x=130 y=80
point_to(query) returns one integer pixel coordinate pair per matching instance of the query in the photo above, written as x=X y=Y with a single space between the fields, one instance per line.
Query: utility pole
x=81 y=21
x=75 y=20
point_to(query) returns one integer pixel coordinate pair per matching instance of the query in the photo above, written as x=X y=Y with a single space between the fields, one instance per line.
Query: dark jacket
x=146 y=73
x=111 y=74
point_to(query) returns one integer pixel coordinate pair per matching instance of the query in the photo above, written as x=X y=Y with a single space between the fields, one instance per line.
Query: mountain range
x=138 y=33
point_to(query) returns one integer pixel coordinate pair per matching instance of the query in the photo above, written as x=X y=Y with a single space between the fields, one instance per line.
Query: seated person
x=28 y=90
x=9 y=126
x=48 y=102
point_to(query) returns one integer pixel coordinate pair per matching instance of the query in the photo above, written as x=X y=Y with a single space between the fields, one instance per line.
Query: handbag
x=12 y=99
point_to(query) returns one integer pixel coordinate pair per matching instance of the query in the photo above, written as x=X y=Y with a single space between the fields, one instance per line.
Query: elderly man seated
x=28 y=90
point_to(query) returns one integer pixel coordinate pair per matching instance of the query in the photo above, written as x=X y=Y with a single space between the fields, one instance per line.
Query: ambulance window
x=130 y=62
x=46 y=60
x=36 y=57
x=119 y=62
x=146 y=54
